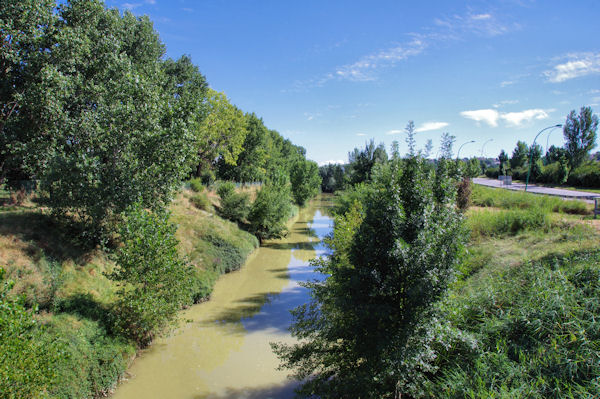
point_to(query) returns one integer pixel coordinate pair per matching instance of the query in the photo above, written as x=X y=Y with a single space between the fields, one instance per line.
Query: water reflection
x=224 y=352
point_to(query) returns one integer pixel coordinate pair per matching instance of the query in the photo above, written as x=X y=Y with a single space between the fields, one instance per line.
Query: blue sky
x=330 y=75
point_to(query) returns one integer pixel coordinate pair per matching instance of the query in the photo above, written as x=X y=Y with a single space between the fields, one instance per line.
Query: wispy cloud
x=577 y=65
x=363 y=69
x=361 y=134
x=452 y=28
x=395 y=131
x=505 y=102
x=427 y=126
x=489 y=116
x=492 y=116
x=131 y=6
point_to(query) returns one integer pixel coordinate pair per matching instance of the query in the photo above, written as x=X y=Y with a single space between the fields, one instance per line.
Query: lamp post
x=459 y=148
x=531 y=152
x=484 y=146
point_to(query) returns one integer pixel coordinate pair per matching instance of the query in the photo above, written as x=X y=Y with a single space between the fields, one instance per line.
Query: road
x=532 y=188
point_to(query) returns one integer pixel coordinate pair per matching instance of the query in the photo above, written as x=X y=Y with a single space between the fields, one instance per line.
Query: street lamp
x=531 y=152
x=459 y=148
x=484 y=146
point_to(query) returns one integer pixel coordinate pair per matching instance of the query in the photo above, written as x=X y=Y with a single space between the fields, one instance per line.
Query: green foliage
x=305 y=180
x=221 y=134
x=491 y=197
x=535 y=333
x=225 y=189
x=586 y=175
x=333 y=178
x=361 y=162
x=104 y=122
x=27 y=354
x=580 y=135
x=497 y=223
x=503 y=158
x=492 y=173
x=473 y=168
x=201 y=201
x=271 y=209
x=393 y=258
x=520 y=155
x=154 y=281
x=196 y=185
x=92 y=361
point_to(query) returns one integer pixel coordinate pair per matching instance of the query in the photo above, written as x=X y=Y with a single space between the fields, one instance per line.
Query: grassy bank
x=521 y=320
x=74 y=295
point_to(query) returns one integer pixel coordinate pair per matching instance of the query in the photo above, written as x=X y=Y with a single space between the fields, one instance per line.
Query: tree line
x=569 y=164
x=108 y=128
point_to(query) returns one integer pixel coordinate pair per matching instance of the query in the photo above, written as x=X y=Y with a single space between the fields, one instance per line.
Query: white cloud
x=131 y=6
x=578 y=65
x=395 y=131
x=361 y=134
x=332 y=162
x=362 y=70
x=519 y=118
x=489 y=116
x=151 y=1
x=427 y=126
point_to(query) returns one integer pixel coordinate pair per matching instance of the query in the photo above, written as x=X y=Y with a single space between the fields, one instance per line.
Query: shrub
x=271 y=209
x=201 y=201
x=92 y=362
x=463 y=194
x=225 y=189
x=196 y=185
x=235 y=206
x=554 y=173
x=587 y=175
x=27 y=354
x=492 y=173
x=154 y=281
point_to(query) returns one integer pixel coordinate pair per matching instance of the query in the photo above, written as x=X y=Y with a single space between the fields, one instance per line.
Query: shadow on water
x=283 y=391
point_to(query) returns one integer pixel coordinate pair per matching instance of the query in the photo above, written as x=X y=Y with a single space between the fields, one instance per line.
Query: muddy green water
x=221 y=349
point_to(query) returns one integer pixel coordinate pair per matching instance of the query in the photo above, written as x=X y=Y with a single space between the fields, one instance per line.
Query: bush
x=554 y=173
x=196 y=185
x=492 y=173
x=154 y=281
x=201 y=201
x=463 y=194
x=587 y=175
x=225 y=189
x=271 y=210
x=27 y=354
x=235 y=206
x=92 y=361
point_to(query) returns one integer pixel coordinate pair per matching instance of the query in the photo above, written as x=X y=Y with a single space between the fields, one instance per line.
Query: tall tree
x=105 y=124
x=361 y=162
x=579 y=132
x=221 y=134
x=519 y=155
x=305 y=180
x=393 y=257
x=503 y=159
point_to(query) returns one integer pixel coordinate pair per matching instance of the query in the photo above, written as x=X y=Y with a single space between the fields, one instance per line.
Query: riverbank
x=74 y=296
x=222 y=349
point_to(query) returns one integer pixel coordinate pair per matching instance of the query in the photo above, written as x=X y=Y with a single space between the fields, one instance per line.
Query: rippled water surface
x=221 y=350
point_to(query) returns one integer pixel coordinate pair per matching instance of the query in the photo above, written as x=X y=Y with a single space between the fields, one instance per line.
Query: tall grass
x=487 y=223
x=506 y=199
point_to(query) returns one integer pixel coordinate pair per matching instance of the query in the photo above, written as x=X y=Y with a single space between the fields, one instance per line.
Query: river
x=221 y=348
